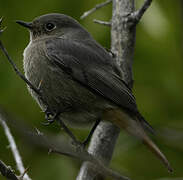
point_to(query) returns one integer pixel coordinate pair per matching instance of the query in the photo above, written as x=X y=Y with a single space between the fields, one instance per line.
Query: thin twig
x=96 y=165
x=136 y=16
x=14 y=149
x=16 y=69
x=142 y=10
x=105 y=23
x=7 y=172
x=98 y=6
x=14 y=65
x=62 y=147
x=80 y=154
x=83 y=155
x=36 y=90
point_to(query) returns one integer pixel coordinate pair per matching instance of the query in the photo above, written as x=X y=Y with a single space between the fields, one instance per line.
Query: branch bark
x=123 y=38
x=122 y=45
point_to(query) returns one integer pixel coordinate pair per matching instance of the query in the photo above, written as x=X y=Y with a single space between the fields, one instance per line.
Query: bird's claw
x=48 y=122
x=50 y=118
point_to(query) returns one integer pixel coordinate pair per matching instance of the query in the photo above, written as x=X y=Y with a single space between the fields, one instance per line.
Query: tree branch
x=98 y=6
x=122 y=45
x=101 y=146
x=123 y=38
x=7 y=172
x=136 y=16
x=14 y=149
x=105 y=23
x=16 y=69
x=62 y=147
x=141 y=11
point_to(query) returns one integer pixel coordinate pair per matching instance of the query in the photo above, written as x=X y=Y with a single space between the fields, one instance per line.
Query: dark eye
x=50 y=26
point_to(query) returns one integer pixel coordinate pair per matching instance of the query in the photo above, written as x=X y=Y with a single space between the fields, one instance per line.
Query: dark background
x=158 y=87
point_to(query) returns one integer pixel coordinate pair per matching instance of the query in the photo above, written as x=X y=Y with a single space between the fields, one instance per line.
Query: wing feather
x=93 y=67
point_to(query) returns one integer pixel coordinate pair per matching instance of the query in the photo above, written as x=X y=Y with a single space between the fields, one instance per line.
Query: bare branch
x=7 y=172
x=98 y=166
x=142 y=10
x=105 y=23
x=136 y=16
x=36 y=90
x=14 y=65
x=101 y=146
x=98 y=6
x=14 y=149
x=16 y=69
x=62 y=147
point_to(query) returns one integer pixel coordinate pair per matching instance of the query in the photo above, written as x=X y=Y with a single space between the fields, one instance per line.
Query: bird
x=78 y=78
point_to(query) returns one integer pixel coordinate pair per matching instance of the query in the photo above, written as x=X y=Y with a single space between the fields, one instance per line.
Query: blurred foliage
x=158 y=87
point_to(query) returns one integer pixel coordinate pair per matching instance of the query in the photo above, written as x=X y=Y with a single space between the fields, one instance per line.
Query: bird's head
x=55 y=25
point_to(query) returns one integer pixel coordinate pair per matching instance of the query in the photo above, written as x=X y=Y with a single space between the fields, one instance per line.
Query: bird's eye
x=50 y=26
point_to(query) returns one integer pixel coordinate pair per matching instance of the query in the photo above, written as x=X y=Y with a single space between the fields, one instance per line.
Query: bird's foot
x=50 y=118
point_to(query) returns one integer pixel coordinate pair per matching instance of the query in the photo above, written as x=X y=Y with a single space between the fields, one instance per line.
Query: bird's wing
x=92 y=69
x=91 y=66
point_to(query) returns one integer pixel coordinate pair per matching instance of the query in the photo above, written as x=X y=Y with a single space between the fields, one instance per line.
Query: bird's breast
x=61 y=92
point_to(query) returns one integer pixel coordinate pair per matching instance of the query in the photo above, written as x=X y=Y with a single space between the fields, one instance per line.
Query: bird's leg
x=79 y=145
x=50 y=117
x=86 y=141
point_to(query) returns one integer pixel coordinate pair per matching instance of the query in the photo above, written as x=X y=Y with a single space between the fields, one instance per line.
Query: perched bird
x=78 y=78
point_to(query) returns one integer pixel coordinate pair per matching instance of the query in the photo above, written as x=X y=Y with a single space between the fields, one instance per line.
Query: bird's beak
x=25 y=24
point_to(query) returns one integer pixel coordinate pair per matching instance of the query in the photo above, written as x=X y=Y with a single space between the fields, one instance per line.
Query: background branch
x=105 y=23
x=7 y=172
x=98 y=6
x=61 y=146
x=14 y=149
x=16 y=69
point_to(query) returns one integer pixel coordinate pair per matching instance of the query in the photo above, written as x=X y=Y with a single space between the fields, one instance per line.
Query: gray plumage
x=76 y=75
x=78 y=78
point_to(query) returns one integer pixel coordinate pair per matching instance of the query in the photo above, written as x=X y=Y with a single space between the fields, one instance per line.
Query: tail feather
x=145 y=124
x=150 y=144
x=135 y=128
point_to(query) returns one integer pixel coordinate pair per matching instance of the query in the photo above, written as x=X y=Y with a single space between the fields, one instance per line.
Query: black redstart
x=78 y=78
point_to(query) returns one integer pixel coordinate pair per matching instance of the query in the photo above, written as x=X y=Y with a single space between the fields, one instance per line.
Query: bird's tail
x=150 y=144
x=134 y=127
